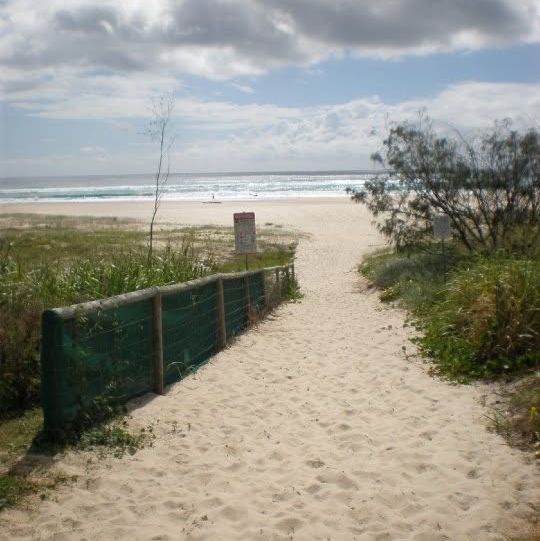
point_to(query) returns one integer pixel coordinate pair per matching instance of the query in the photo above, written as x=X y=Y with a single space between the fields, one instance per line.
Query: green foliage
x=488 y=322
x=114 y=438
x=414 y=278
x=12 y=489
x=488 y=188
x=483 y=321
x=24 y=296
x=293 y=292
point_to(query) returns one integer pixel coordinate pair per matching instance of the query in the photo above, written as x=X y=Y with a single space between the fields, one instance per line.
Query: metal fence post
x=157 y=330
x=221 y=326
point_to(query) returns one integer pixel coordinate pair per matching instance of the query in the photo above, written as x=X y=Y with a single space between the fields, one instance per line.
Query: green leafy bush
x=488 y=321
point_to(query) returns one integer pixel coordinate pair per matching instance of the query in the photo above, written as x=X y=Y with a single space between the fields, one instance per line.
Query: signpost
x=441 y=231
x=245 y=234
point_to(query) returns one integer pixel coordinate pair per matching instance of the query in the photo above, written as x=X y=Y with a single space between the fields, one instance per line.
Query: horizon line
x=244 y=173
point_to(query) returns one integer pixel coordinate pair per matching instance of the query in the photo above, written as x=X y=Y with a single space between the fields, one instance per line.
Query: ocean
x=195 y=187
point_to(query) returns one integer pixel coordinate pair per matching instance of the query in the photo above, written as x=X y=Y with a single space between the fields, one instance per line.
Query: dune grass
x=480 y=321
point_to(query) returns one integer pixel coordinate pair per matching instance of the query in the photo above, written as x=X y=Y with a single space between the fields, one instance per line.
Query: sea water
x=197 y=187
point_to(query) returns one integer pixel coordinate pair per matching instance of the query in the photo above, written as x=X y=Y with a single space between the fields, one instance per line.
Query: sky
x=258 y=85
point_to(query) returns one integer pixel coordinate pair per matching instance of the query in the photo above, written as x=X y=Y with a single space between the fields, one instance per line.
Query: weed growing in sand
x=293 y=292
x=24 y=467
x=115 y=439
x=12 y=489
x=517 y=414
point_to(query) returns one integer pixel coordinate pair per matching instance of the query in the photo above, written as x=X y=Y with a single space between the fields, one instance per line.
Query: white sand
x=312 y=426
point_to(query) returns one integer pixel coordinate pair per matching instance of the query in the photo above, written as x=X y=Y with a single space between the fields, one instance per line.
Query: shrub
x=415 y=278
x=488 y=322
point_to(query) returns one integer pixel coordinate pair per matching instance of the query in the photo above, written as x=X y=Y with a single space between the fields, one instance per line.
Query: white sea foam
x=181 y=187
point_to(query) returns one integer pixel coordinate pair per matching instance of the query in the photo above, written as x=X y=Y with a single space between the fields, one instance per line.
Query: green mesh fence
x=257 y=297
x=108 y=349
x=190 y=327
x=104 y=353
x=236 y=315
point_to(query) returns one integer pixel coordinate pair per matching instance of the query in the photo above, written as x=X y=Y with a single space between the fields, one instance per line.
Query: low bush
x=482 y=321
x=415 y=278
x=488 y=320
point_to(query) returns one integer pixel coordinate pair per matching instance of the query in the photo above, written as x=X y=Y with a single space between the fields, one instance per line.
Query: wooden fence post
x=52 y=365
x=157 y=329
x=248 y=298
x=221 y=329
x=278 y=287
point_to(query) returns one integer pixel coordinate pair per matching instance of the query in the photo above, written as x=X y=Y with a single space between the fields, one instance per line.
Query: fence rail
x=124 y=346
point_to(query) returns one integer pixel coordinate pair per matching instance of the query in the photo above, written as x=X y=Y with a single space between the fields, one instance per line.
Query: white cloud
x=243 y=88
x=92 y=149
x=222 y=39
x=341 y=136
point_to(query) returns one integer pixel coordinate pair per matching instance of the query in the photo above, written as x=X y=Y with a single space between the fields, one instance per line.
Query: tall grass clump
x=414 y=277
x=25 y=293
x=488 y=320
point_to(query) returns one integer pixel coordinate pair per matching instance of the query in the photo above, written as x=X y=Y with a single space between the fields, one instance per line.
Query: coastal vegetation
x=477 y=306
x=57 y=261
x=49 y=261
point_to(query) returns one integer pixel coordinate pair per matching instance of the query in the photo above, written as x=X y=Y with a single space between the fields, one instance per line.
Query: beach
x=319 y=423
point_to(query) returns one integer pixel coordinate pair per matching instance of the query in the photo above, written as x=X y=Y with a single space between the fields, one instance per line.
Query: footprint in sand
x=339 y=479
x=289 y=525
x=317 y=463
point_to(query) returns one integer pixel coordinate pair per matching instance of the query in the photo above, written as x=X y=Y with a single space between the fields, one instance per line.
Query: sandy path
x=313 y=426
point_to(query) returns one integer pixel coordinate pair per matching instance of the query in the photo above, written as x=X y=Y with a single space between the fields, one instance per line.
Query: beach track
x=314 y=425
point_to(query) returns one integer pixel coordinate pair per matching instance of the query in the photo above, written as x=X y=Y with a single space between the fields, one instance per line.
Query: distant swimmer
x=213 y=200
x=254 y=194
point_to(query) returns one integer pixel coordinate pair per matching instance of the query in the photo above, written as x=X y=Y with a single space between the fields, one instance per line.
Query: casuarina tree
x=488 y=187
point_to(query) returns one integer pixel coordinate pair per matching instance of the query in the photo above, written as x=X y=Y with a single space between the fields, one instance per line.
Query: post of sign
x=245 y=234
x=441 y=231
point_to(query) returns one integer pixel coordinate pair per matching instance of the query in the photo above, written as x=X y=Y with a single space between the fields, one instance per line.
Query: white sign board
x=441 y=227
x=245 y=235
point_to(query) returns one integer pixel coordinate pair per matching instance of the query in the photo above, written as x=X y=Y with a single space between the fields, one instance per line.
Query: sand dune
x=312 y=426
